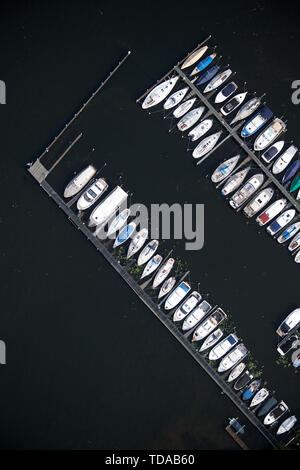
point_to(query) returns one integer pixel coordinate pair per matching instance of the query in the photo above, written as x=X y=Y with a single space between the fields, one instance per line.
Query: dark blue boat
x=208 y=75
x=229 y=89
x=291 y=171
x=251 y=389
x=267 y=406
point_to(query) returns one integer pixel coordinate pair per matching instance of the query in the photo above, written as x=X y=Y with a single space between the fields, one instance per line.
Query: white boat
x=203 y=64
x=259 y=397
x=125 y=234
x=175 y=98
x=163 y=272
x=236 y=372
x=183 y=108
x=291 y=321
x=287 y=425
x=275 y=413
x=147 y=252
x=258 y=202
x=235 y=181
x=196 y=315
x=227 y=91
x=211 y=340
x=190 y=118
x=289 y=232
x=194 y=57
x=79 y=181
x=283 y=161
x=246 y=191
x=200 y=129
x=232 y=104
x=152 y=265
x=238 y=353
x=269 y=134
x=167 y=286
x=209 y=324
x=247 y=109
x=223 y=347
x=295 y=243
x=206 y=145
x=272 y=151
x=137 y=242
x=217 y=81
x=281 y=221
x=118 y=222
x=177 y=295
x=92 y=194
x=107 y=207
x=274 y=209
x=297 y=257
x=224 y=169
x=183 y=310
x=159 y=93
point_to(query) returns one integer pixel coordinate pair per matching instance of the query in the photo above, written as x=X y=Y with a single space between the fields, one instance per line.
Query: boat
x=289 y=232
x=232 y=104
x=295 y=243
x=259 y=397
x=79 y=181
x=92 y=194
x=196 y=315
x=291 y=321
x=247 y=109
x=209 y=324
x=236 y=372
x=211 y=340
x=175 y=98
x=217 y=81
x=267 y=406
x=274 y=209
x=177 y=295
x=163 y=272
x=269 y=134
x=118 y=222
x=284 y=160
x=246 y=190
x=256 y=122
x=227 y=91
x=206 y=145
x=200 y=129
x=147 y=252
x=208 y=75
x=287 y=425
x=275 y=413
x=238 y=353
x=137 y=242
x=223 y=347
x=251 y=389
x=295 y=185
x=194 y=57
x=203 y=64
x=234 y=181
x=152 y=265
x=258 y=202
x=243 y=380
x=107 y=207
x=281 y=221
x=187 y=306
x=296 y=358
x=291 y=342
x=183 y=108
x=190 y=118
x=272 y=151
x=297 y=257
x=291 y=171
x=224 y=169
x=167 y=286
x=159 y=93
x=125 y=234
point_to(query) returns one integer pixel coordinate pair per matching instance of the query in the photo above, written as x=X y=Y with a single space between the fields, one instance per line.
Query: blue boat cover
x=184 y=286
x=231 y=339
x=275 y=226
x=228 y=89
x=291 y=171
x=210 y=73
x=270 y=153
x=265 y=112
x=204 y=63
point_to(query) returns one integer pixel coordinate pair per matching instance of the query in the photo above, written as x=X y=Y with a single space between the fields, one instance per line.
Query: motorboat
x=125 y=234
x=206 y=327
x=163 y=272
x=243 y=380
x=272 y=151
x=188 y=305
x=251 y=389
x=289 y=232
x=233 y=357
x=258 y=202
x=249 y=188
x=183 y=108
x=291 y=321
x=177 y=295
x=196 y=315
x=236 y=372
x=296 y=358
x=79 y=181
x=159 y=93
x=248 y=108
x=147 y=252
x=232 y=104
x=118 y=222
x=104 y=210
x=281 y=221
x=92 y=194
x=137 y=242
x=201 y=129
x=295 y=184
x=224 y=169
x=284 y=160
x=206 y=145
x=175 y=98
x=211 y=340
x=223 y=347
x=235 y=181
x=208 y=75
x=276 y=413
x=256 y=122
x=167 y=287
x=291 y=171
x=288 y=343
x=217 y=81
x=295 y=243
x=274 y=209
x=152 y=265
x=297 y=257
x=259 y=397
x=190 y=118
x=267 y=406
x=203 y=64
x=269 y=134
x=287 y=425
x=226 y=92
x=194 y=57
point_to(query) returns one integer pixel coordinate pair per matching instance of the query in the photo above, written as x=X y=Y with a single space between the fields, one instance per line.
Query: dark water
x=88 y=366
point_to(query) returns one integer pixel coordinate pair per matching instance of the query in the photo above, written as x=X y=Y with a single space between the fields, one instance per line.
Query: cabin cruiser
x=291 y=342
x=241 y=196
x=281 y=221
x=269 y=134
x=196 y=315
x=118 y=222
x=224 y=169
x=287 y=425
x=217 y=81
x=137 y=242
x=267 y=406
x=206 y=145
x=152 y=265
x=190 y=118
x=296 y=358
x=291 y=171
x=147 y=252
x=211 y=340
x=194 y=57
x=289 y=232
x=203 y=64
x=259 y=397
x=125 y=234
x=200 y=129
x=243 y=380
x=107 y=207
x=297 y=257
x=208 y=75
x=258 y=202
x=284 y=160
x=163 y=272
x=177 y=295
x=92 y=194
x=232 y=104
x=247 y=109
x=256 y=122
x=167 y=286
x=238 y=353
x=183 y=108
x=187 y=306
x=159 y=93
x=295 y=243
x=274 y=209
x=223 y=347
x=209 y=324
x=236 y=372
x=175 y=98
x=291 y=321
x=227 y=91
x=251 y=389
x=275 y=413
x=272 y=151
x=235 y=181
x=79 y=181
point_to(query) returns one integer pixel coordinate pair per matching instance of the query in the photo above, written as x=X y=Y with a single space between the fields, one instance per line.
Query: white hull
x=175 y=98
x=118 y=222
x=246 y=191
x=297 y=257
x=152 y=265
x=258 y=202
x=270 y=418
x=287 y=425
x=137 y=242
x=183 y=108
x=187 y=307
x=125 y=234
x=274 y=209
x=79 y=182
x=159 y=93
x=247 y=109
x=147 y=252
x=231 y=359
x=235 y=181
x=224 y=169
x=223 y=347
x=163 y=272
x=281 y=221
x=206 y=145
x=196 y=315
x=167 y=287
x=206 y=327
x=231 y=105
x=194 y=57
x=269 y=134
x=107 y=207
x=291 y=321
x=236 y=372
x=200 y=129
x=295 y=243
x=92 y=194
x=277 y=147
x=283 y=161
x=289 y=232
x=221 y=97
x=177 y=295
x=190 y=118
x=259 y=397
x=211 y=340
x=217 y=81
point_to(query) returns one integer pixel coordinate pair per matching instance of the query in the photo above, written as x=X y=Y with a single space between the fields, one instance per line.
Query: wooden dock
x=236 y=438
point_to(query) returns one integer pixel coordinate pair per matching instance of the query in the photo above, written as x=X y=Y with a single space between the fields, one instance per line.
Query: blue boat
x=125 y=233
x=257 y=121
x=251 y=389
x=203 y=64
x=208 y=75
x=291 y=171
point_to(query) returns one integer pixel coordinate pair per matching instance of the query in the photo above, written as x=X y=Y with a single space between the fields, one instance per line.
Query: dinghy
x=159 y=93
